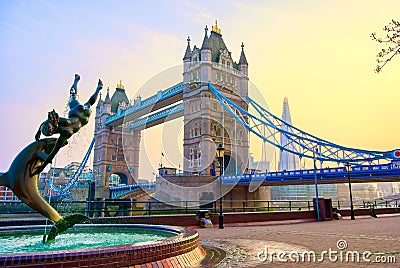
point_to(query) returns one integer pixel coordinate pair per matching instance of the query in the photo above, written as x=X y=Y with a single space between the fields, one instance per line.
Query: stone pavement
x=377 y=238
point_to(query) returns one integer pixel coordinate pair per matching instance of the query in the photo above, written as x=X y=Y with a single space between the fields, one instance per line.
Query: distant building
x=360 y=192
x=59 y=176
x=289 y=161
x=7 y=194
x=388 y=188
x=141 y=181
x=73 y=167
x=258 y=166
x=167 y=171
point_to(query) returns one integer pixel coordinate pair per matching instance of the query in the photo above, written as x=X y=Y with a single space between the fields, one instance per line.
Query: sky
x=317 y=53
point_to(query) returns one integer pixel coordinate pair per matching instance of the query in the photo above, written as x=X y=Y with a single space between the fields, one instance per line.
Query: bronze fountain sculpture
x=22 y=176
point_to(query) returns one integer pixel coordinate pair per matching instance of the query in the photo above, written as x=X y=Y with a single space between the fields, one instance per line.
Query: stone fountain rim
x=167 y=228
x=183 y=236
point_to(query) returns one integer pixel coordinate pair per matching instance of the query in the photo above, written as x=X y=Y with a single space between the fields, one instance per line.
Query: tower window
x=191 y=161
x=215 y=107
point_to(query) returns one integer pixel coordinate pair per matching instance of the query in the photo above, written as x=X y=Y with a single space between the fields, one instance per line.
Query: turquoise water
x=81 y=239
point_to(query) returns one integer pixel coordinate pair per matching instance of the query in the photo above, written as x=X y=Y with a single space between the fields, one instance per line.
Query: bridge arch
x=117 y=179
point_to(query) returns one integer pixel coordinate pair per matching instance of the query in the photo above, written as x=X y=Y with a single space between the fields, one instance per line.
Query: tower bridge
x=214 y=103
x=119 y=124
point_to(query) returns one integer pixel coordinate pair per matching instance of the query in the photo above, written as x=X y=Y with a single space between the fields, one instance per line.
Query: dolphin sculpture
x=23 y=181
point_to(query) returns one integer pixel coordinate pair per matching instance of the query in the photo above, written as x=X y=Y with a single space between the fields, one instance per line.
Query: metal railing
x=128 y=207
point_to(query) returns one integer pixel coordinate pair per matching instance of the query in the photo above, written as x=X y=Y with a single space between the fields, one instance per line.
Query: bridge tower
x=114 y=153
x=206 y=125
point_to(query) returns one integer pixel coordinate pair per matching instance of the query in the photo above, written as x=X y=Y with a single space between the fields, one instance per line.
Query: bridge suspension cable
x=65 y=188
x=268 y=127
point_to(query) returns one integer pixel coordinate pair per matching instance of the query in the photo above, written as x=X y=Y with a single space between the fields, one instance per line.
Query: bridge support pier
x=199 y=189
x=241 y=192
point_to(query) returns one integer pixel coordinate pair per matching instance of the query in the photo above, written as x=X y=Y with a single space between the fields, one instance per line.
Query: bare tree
x=392 y=43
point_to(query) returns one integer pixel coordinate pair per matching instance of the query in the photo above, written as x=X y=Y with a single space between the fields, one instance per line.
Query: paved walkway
x=377 y=238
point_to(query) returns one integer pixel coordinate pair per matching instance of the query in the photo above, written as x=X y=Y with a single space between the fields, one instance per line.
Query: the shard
x=287 y=160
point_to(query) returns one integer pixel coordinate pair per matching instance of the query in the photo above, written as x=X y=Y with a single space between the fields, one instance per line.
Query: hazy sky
x=317 y=53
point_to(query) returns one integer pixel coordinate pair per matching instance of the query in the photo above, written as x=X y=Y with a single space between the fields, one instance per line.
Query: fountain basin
x=177 y=245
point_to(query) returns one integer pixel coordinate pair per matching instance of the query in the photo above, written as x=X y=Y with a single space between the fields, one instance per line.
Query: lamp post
x=220 y=156
x=348 y=167
x=91 y=193
x=316 y=183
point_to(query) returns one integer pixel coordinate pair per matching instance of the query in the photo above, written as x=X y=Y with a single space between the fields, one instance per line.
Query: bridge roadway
x=119 y=191
x=365 y=173
x=358 y=174
x=161 y=99
x=158 y=117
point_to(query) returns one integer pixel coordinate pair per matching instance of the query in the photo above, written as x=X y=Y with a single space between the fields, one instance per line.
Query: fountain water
x=96 y=245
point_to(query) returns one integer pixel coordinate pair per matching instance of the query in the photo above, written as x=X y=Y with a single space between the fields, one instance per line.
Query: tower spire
x=188 y=50
x=107 y=99
x=206 y=43
x=243 y=60
x=100 y=101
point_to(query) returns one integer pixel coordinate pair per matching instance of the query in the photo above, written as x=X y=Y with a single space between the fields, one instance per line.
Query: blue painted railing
x=325 y=175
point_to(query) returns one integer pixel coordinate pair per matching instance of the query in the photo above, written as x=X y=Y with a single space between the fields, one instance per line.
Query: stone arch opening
x=117 y=179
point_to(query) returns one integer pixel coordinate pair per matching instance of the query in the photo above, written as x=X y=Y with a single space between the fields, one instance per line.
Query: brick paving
x=244 y=241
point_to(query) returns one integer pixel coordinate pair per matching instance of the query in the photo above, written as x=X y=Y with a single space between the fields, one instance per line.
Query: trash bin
x=328 y=209
x=325 y=208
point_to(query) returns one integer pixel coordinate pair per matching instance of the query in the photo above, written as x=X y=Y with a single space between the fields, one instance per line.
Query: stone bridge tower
x=114 y=153
x=206 y=124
